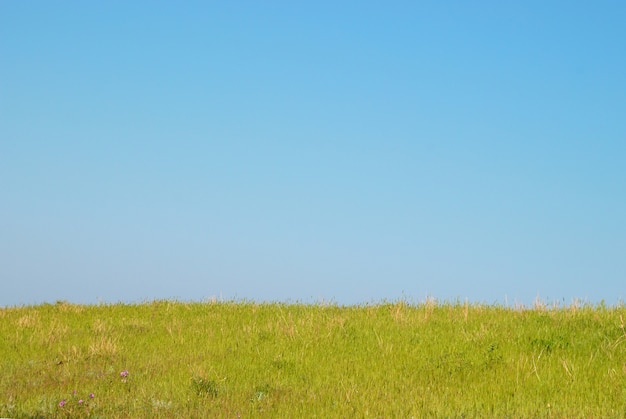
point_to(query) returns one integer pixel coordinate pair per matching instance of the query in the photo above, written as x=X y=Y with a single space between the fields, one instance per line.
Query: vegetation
x=243 y=359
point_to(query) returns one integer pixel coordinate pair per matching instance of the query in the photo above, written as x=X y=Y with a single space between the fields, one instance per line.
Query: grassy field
x=242 y=359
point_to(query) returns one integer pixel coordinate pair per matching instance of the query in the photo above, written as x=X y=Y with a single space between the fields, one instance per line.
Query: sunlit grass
x=230 y=359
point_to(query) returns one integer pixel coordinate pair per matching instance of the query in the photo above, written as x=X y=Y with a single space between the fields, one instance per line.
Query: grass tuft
x=204 y=387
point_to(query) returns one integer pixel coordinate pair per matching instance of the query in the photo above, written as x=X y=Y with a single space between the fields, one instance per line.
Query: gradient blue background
x=342 y=151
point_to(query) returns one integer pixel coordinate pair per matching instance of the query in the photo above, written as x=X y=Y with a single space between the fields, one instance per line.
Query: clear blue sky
x=342 y=151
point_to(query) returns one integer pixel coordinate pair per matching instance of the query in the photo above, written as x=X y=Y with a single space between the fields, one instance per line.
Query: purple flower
x=124 y=374
x=62 y=403
x=80 y=401
x=74 y=392
x=91 y=395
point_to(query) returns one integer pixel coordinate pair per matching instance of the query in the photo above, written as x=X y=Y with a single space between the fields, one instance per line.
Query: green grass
x=242 y=359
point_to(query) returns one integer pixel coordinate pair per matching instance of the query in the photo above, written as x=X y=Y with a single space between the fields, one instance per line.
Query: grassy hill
x=243 y=359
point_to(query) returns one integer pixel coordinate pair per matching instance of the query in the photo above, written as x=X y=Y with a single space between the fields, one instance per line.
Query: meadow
x=244 y=359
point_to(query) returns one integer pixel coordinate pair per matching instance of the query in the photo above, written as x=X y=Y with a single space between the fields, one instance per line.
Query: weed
x=261 y=392
x=204 y=387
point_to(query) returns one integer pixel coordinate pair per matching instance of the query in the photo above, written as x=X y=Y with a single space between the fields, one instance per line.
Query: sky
x=346 y=152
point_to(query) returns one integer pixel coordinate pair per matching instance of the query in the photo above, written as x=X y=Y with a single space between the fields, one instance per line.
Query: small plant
x=261 y=392
x=203 y=387
x=76 y=402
